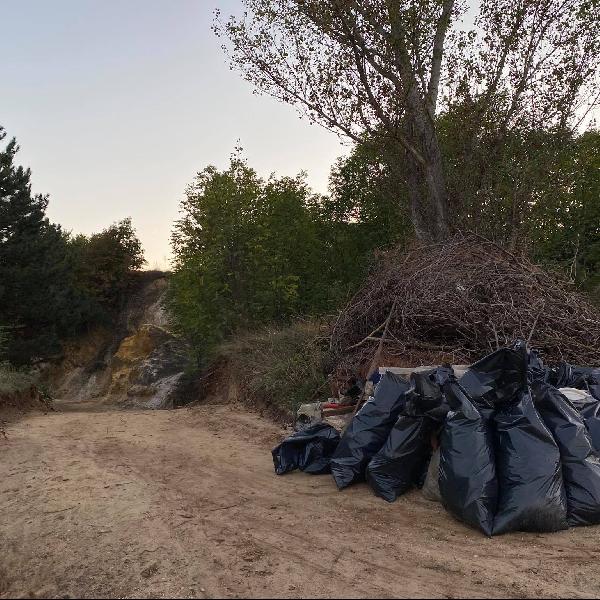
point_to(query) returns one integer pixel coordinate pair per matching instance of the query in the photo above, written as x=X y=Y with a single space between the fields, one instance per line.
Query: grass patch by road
x=278 y=367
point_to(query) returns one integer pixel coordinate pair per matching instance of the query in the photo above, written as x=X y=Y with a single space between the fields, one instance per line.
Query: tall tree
x=387 y=67
x=37 y=302
x=51 y=284
x=103 y=263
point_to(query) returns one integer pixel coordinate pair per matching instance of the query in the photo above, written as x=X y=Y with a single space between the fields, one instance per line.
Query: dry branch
x=461 y=300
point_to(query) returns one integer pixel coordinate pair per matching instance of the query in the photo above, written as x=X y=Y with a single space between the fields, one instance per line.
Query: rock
x=139 y=362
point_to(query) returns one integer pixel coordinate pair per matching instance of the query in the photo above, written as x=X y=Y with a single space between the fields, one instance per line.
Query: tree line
x=505 y=72
x=53 y=285
x=250 y=251
x=464 y=116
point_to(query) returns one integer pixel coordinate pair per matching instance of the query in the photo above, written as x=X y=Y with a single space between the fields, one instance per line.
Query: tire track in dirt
x=185 y=503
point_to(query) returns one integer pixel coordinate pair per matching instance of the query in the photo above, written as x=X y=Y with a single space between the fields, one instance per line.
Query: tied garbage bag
x=531 y=491
x=582 y=378
x=368 y=430
x=309 y=450
x=402 y=461
x=426 y=397
x=467 y=471
x=580 y=462
x=496 y=378
x=589 y=407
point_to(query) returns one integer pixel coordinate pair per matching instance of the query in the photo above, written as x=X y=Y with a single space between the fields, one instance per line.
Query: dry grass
x=278 y=368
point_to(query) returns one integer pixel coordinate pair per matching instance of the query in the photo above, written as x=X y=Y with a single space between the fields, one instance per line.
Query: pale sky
x=116 y=104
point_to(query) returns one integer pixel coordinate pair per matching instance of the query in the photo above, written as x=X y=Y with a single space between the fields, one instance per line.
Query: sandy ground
x=185 y=503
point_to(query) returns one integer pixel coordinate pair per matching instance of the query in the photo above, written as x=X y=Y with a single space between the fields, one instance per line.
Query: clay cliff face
x=138 y=361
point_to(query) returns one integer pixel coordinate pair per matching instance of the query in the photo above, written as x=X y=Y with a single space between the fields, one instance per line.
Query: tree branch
x=437 y=56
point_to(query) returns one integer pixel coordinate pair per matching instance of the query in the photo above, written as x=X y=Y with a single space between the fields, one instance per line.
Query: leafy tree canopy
x=51 y=284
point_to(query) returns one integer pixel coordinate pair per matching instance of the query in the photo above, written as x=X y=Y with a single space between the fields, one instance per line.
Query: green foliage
x=103 y=262
x=538 y=191
x=52 y=286
x=366 y=209
x=567 y=231
x=35 y=295
x=278 y=367
x=534 y=189
x=247 y=251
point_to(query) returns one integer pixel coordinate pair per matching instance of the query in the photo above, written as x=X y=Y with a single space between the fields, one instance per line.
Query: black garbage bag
x=497 y=378
x=536 y=370
x=426 y=396
x=402 y=461
x=368 y=430
x=399 y=465
x=589 y=409
x=594 y=383
x=467 y=472
x=566 y=375
x=586 y=379
x=531 y=491
x=580 y=462
x=309 y=450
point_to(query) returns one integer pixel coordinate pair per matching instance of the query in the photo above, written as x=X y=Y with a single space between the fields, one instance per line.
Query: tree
x=103 y=263
x=246 y=252
x=386 y=68
x=541 y=196
x=53 y=285
x=38 y=302
x=565 y=231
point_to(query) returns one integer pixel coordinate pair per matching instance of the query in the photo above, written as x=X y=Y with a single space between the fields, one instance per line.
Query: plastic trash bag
x=368 y=430
x=589 y=409
x=309 y=450
x=496 y=378
x=403 y=459
x=586 y=379
x=528 y=466
x=571 y=376
x=536 y=370
x=426 y=396
x=467 y=472
x=580 y=462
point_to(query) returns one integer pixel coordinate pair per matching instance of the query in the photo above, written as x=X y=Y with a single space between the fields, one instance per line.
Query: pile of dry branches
x=458 y=301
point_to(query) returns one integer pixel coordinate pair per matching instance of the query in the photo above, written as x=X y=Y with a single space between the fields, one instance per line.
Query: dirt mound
x=457 y=301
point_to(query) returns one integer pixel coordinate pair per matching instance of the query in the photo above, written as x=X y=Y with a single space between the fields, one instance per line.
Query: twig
x=536 y=321
x=368 y=337
x=376 y=357
x=223 y=507
x=52 y=512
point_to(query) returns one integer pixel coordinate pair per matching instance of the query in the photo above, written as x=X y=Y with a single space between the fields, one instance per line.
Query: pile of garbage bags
x=511 y=445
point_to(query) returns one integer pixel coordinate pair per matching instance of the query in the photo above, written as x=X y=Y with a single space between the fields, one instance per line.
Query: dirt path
x=185 y=503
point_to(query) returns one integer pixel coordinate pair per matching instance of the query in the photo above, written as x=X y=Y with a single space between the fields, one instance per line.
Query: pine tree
x=37 y=299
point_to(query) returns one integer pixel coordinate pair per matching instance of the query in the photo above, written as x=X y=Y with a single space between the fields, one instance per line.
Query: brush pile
x=457 y=301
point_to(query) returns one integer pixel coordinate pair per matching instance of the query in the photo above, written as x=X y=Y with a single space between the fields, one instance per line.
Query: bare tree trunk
x=437 y=194
x=431 y=222
x=418 y=205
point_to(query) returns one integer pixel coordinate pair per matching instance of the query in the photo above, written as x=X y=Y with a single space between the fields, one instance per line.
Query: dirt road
x=185 y=503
